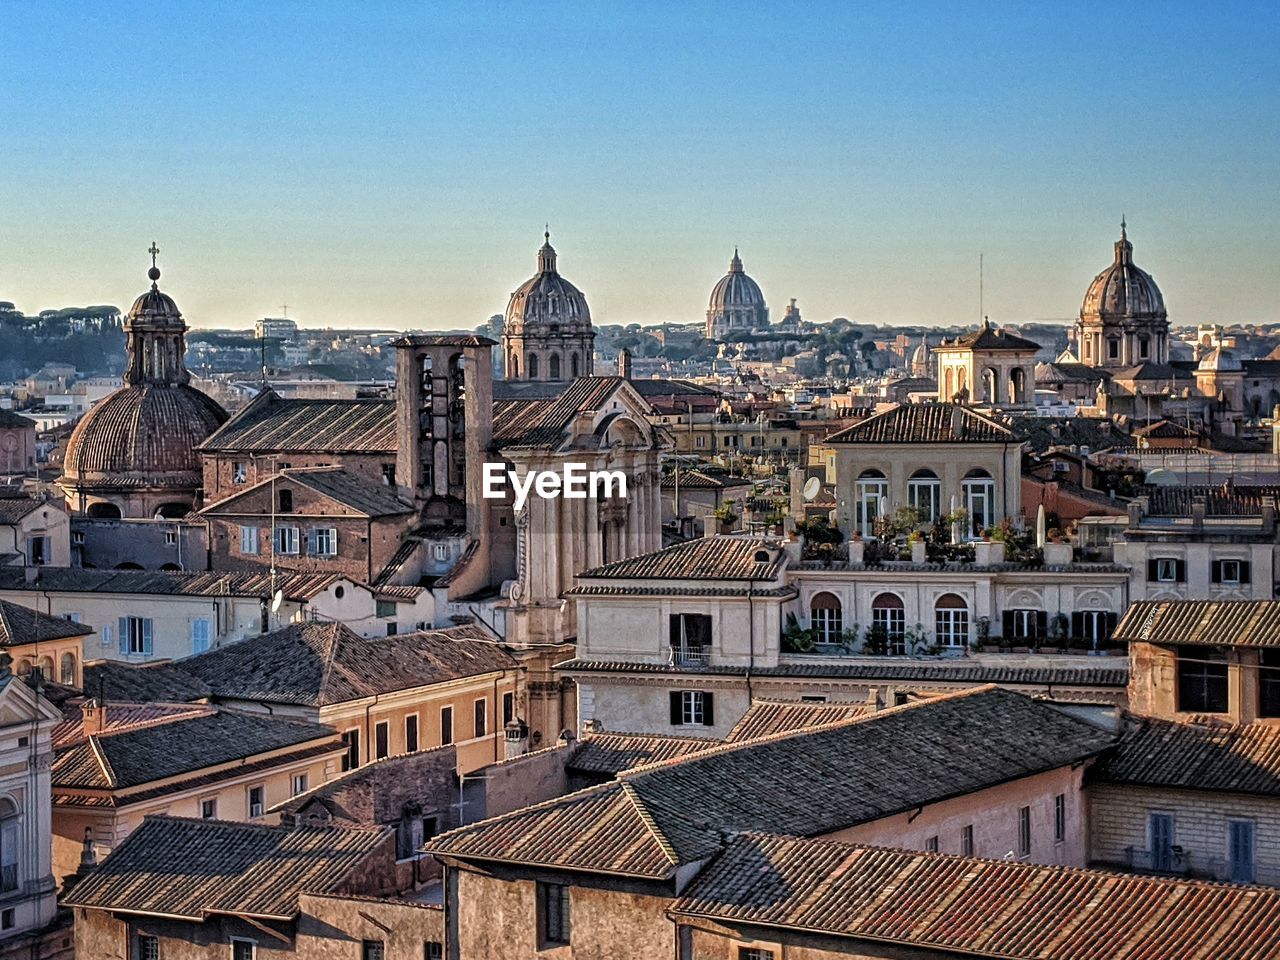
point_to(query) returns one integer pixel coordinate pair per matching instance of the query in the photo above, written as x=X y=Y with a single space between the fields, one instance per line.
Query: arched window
x=869 y=490
x=24 y=666
x=515 y=365
x=979 y=499
x=951 y=621
x=948 y=380
x=924 y=490
x=1144 y=348
x=991 y=383
x=533 y=366
x=46 y=667
x=8 y=845
x=553 y=367
x=1017 y=385
x=573 y=365
x=826 y=618
x=104 y=511
x=67 y=670
x=888 y=613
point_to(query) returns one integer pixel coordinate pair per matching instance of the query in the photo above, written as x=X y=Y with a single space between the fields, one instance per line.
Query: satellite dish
x=276 y=600
x=811 y=487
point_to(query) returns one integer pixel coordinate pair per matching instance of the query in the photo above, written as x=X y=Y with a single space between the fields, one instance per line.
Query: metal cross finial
x=546 y=232
x=285 y=308
x=154 y=251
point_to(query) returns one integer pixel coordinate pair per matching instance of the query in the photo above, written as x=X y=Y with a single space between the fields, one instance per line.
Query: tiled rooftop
x=926 y=423
x=708 y=558
x=273 y=423
x=194 y=869
x=767 y=717
x=1241 y=623
x=1231 y=758
x=296 y=587
x=611 y=753
x=980 y=908
x=544 y=421
x=21 y=625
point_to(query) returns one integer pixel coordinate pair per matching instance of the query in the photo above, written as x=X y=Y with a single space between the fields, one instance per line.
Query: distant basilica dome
x=547 y=333
x=134 y=453
x=736 y=303
x=1123 y=321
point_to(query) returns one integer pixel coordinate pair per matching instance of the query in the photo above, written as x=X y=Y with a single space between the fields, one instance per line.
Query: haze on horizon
x=393 y=164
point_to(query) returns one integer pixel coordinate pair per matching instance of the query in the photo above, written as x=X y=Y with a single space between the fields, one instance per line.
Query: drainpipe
x=751 y=636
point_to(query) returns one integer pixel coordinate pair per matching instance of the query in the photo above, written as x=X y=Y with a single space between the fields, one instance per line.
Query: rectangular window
x=287 y=540
x=1024 y=831
x=384 y=608
x=440 y=552
x=1160 y=840
x=931 y=845
x=351 y=759
x=1232 y=572
x=148 y=947
x=372 y=950
x=239 y=472
x=1240 y=851
x=38 y=551
x=966 y=841
x=1202 y=680
x=482 y=717
x=243 y=950
x=700 y=441
x=433 y=950
x=284 y=500
x=1166 y=570
x=106 y=636
x=170 y=538
x=1269 y=683
x=323 y=542
x=389 y=474
x=691 y=708
x=200 y=635
x=411 y=733
x=690 y=637
x=1025 y=624
x=446 y=725
x=209 y=809
x=754 y=953
x=553 y=915
x=1060 y=818
x=249 y=541
x=257 y=805
x=135 y=636
x=381 y=739
x=298 y=784
x=508 y=707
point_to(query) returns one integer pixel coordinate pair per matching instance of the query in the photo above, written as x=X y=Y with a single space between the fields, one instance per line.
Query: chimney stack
x=93 y=717
x=624 y=363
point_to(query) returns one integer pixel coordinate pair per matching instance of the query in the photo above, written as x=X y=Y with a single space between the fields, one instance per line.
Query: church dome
x=1123 y=290
x=547 y=298
x=736 y=290
x=1220 y=360
x=142 y=438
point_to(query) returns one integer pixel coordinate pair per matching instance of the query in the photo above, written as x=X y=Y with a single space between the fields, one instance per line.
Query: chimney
x=515 y=739
x=93 y=717
x=1199 y=508
x=1269 y=514
x=624 y=363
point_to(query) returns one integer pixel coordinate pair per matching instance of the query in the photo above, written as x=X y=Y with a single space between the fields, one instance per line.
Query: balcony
x=1181 y=862
x=690 y=656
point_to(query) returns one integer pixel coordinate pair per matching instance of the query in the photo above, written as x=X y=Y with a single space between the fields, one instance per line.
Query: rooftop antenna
x=981 y=290
x=285 y=308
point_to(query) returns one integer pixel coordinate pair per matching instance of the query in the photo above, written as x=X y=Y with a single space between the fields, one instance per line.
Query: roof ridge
x=606 y=787
x=637 y=802
x=103 y=763
x=733 y=745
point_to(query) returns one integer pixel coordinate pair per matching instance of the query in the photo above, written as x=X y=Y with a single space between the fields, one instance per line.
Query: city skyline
x=394 y=166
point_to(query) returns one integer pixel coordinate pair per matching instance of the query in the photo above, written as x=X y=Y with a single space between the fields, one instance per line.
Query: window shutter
x=1244 y=572
x=1077 y=625
x=146 y=636
x=124 y=634
x=673 y=629
x=311 y=542
x=675 y=708
x=1042 y=624
x=1180 y=570
x=1215 y=571
x=708 y=714
x=1006 y=620
x=1153 y=571
x=333 y=539
x=1111 y=619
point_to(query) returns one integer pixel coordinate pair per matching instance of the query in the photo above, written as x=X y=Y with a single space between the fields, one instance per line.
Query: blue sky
x=392 y=164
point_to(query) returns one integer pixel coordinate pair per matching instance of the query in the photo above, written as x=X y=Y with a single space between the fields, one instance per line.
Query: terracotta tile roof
x=1096 y=672
x=13 y=509
x=708 y=558
x=926 y=423
x=130 y=758
x=987 y=337
x=193 y=869
x=115 y=682
x=611 y=753
x=1238 y=623
x=1234 y=758
x=443 y=340
x=273 y=423
x=21 y=625
x=697 y=480
x=120 y=717
x=982 y=908
x=767 y=717
x=1220 y=501
x=10 y=420
x=320 y=663
x=527 y=422
x=808 y=782
x=297 y=586
x=359 y=494
x=668 y=590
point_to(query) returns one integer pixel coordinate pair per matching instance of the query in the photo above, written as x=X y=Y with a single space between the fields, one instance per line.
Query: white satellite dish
x=811 y=487
x=276 y=600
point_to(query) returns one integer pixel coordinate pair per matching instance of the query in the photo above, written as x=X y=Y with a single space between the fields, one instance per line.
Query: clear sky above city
x=393 y=164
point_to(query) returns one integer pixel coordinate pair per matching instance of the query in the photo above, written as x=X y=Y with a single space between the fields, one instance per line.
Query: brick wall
x=1118 y=820
x=219 y=468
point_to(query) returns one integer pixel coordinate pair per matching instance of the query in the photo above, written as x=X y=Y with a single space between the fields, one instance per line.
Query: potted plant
x=876 y=640
x=727 y=517
x=796 y=638
x=919 y=550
